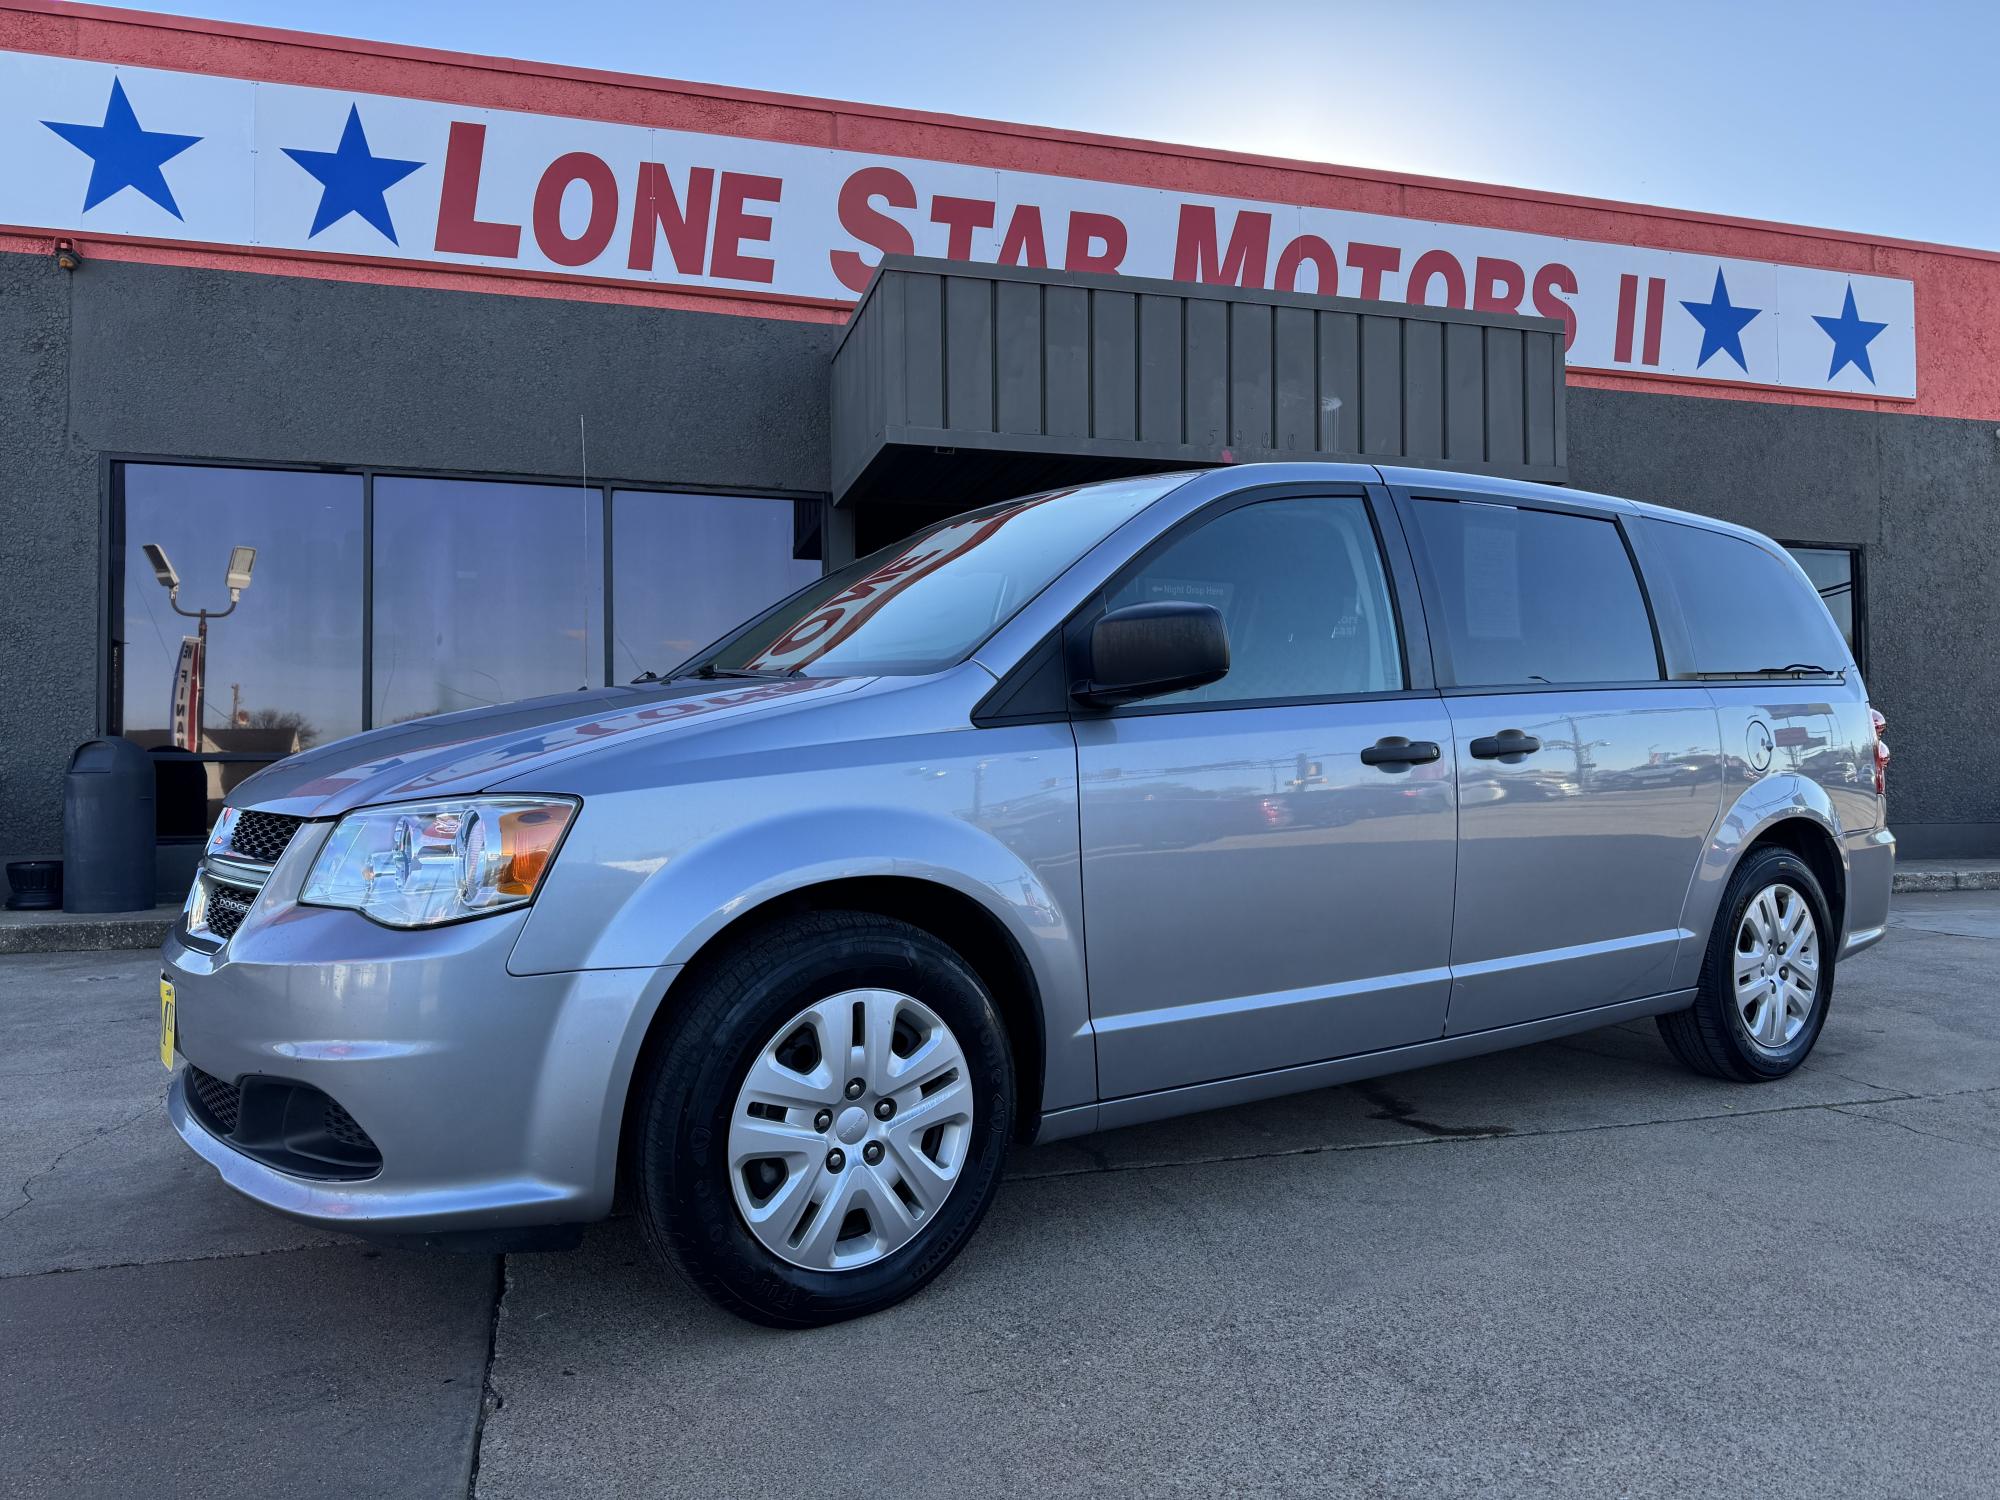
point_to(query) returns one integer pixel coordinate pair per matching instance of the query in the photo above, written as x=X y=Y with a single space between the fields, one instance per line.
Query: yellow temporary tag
x=167 y=1024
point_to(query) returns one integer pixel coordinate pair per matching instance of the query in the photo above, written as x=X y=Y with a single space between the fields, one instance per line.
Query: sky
x=1876 y=118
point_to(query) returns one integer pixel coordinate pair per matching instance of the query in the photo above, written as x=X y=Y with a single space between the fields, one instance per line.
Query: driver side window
x=1302 y=589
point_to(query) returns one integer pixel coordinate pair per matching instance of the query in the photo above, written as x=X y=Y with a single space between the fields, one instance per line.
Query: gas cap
x=1758 y=745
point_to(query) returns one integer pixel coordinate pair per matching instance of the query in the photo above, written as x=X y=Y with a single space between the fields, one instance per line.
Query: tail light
x=1881 y=753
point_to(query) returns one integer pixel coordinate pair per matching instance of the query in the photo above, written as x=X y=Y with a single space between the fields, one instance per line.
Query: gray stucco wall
x=191 y=364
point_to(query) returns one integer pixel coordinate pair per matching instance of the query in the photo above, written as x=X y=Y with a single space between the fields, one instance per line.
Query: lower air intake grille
x=291 y=1126
x=218 y=1101
x=342 y=1127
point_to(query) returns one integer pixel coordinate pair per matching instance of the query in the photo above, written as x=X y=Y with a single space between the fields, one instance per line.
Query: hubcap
x=895 y=1173
x=1777 y=967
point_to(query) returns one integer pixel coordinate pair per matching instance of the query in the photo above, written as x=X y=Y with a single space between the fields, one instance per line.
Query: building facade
x=520 y=379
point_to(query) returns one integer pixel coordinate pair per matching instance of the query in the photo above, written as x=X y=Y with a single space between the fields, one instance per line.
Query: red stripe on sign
x=1656 y=305
x=1628 y=294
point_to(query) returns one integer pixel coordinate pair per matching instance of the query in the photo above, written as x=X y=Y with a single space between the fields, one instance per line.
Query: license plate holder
x=167 y=1030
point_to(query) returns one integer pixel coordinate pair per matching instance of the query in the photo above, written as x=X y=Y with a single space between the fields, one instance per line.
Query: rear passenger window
x=1301 y=588
x=1747 y=610
x=1520 y=597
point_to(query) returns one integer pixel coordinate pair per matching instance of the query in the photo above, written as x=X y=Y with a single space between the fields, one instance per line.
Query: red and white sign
x=187 y=693
x=196 y=157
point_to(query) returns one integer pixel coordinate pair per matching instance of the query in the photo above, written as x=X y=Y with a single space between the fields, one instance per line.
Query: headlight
x=431 y=862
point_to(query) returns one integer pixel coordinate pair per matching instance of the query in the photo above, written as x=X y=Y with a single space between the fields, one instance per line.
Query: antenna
x=583 y=442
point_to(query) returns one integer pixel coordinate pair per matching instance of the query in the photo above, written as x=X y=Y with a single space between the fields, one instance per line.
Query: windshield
x=924 y=603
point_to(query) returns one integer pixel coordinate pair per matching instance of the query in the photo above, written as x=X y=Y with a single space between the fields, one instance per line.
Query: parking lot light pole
x=236 y=580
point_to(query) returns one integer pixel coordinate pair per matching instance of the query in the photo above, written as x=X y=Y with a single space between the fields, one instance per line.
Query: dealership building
x=519 y=379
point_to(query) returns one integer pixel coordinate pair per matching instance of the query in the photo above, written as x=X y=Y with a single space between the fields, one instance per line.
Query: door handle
x=1508 y=744
x=1394 y=750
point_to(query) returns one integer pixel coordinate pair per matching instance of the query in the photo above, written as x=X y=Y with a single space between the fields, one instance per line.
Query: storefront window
x=284 y=666
x=484 y=593
x=1833 y=572
x=687 y=569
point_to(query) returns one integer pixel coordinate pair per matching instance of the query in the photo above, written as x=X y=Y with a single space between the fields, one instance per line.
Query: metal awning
x=955 y=384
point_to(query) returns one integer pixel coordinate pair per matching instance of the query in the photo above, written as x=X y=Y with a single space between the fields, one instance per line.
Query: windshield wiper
x=708 y=671
x=1793 y=669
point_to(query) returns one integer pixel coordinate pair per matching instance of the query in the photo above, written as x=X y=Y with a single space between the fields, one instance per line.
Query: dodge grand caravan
x=1086 y=809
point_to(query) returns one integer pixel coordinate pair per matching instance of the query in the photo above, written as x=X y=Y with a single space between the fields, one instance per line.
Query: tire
x=764 y=1005
x=1758 y=1029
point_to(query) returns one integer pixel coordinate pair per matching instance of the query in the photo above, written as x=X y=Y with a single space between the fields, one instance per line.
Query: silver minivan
x=1086 y=809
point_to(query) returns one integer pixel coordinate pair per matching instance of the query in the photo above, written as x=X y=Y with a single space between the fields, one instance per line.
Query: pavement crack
x=1329 y=1148
x=181 y=1260
x=490 y=1397
x=1863 y=1082
x=26 y=1189
x=1390 y=1106
x=1929 y=1135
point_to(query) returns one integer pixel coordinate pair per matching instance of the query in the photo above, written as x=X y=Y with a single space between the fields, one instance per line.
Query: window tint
x=484 y=593
x=688 y=569
x=1533 y=596
x=1301 y=588
x=1834 y=574
x=1745 y=610
x=922 y=604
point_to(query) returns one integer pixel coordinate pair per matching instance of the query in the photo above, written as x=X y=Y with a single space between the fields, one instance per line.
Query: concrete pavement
x=1572 y=1269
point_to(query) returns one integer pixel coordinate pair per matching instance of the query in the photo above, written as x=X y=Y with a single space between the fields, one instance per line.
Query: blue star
x=1851 y=334
x=122 y=155
x=1722 y=324
x=353 y=179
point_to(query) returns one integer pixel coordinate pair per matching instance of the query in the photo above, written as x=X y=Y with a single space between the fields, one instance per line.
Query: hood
x=460 y=753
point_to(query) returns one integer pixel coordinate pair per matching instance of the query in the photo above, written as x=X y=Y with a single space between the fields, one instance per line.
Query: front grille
x=261 y=836
x=219 y=1101
x=226 y=908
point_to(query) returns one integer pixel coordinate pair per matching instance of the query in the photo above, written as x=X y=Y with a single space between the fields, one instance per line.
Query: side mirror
x=1144 y=650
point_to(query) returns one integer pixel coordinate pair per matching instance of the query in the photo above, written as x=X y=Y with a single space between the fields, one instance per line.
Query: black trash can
x=108 y=828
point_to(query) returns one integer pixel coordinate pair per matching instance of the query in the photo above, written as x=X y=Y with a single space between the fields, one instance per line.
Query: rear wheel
x=826 y=1125
x=1767 y=979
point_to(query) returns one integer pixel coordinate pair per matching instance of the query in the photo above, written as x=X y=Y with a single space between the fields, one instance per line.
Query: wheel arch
x=1783 y=811
x=1815 y=844
x=955 y=918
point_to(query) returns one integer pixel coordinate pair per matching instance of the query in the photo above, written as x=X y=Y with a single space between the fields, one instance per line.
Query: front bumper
x=495 y=1099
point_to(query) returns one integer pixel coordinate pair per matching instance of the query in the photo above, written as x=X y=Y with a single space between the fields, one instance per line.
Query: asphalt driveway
x=1571 y=1269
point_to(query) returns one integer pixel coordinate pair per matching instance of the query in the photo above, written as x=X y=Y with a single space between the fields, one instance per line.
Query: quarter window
x=1526 y=597
x=1301 y=588
x=1747 y=611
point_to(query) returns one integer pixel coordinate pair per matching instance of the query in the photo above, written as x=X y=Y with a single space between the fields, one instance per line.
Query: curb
x=1947 y=880
x=110 y=934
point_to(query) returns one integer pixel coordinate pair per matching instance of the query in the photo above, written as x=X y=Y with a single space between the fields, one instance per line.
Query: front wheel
x=1767 y=979
x=826 y=1125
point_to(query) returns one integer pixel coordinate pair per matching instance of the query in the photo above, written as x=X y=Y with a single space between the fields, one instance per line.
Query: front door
x=1268 y=861
x=1587 y=785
